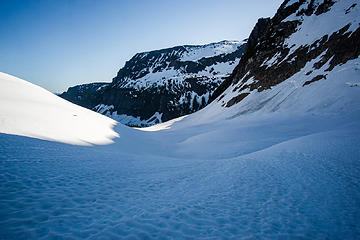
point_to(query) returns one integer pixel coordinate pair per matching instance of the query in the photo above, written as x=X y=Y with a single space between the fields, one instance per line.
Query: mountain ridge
x=280 y=47
x=160 y=85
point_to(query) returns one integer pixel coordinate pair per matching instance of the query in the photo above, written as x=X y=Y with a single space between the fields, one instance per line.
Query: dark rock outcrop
x=85 y=95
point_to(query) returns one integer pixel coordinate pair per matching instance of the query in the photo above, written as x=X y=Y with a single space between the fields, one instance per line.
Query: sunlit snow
x=29 y=110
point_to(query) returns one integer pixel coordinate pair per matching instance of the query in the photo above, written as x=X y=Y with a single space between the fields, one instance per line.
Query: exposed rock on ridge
x=281 y=46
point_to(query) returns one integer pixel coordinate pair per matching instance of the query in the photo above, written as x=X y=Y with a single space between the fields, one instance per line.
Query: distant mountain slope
x=295 y=54
x=160 y=85
x=85 y=95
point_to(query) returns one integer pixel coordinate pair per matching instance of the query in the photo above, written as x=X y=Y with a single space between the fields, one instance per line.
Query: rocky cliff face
x=160 y=85
x=85 y=95
x=305 y=39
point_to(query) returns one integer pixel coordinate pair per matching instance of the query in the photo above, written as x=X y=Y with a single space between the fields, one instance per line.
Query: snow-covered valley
x=262 y=175
x=287 y=185
x=275 y=155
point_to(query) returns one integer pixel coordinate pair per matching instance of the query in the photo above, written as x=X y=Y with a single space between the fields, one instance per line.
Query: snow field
x=300 y=181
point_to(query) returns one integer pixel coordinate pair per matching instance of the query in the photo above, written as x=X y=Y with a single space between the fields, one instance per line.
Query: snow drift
x=29 y=110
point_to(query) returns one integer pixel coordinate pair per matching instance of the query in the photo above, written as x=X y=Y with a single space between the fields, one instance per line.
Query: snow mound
x=29 y=110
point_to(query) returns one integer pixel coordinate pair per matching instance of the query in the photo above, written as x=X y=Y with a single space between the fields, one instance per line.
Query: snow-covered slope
x=305 y=58
x=29 y=110
x=163 y=84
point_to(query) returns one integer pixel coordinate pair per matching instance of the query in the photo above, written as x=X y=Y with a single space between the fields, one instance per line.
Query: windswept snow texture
x=215 y=174
x=29 y=110
x=275 y=177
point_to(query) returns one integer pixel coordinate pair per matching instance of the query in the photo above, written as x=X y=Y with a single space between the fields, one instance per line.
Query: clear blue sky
x=60 y=43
